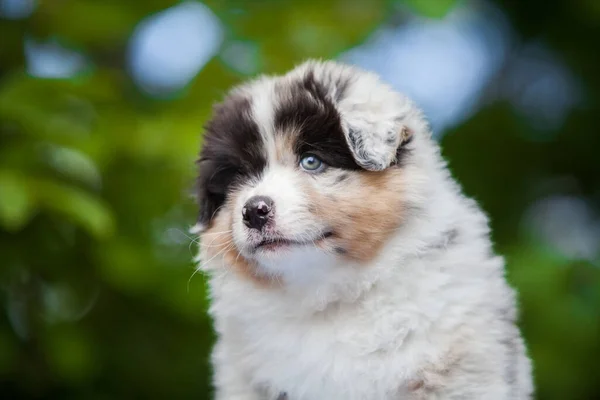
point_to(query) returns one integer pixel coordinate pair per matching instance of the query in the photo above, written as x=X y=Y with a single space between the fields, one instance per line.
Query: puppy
x=344 y=261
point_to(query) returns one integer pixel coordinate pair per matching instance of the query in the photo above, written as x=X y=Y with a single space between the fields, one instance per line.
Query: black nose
x=257 y=211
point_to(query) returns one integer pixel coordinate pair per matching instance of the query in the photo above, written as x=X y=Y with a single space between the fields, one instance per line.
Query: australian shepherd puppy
x=344 y=261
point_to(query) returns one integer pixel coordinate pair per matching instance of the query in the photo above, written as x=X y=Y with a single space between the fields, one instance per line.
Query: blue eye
x=311 y=163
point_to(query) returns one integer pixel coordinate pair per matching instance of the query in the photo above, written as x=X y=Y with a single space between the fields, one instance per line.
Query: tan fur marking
x=216 y=244
x=284 y=148
x=364 y=213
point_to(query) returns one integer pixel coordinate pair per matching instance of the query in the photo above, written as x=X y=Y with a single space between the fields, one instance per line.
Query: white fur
x=263 y=98
x=292 y=221
x=424 y=309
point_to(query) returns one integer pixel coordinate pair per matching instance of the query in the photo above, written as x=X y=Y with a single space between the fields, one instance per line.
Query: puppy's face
x=300 y=172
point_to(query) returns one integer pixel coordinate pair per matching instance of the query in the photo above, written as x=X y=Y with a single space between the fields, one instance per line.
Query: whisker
x=190 y=245
x=217 y=233
x=224 y=250
x=217 y=245
x=216 y=238
x=192 y=240
x=190 y=279
x=181 y=232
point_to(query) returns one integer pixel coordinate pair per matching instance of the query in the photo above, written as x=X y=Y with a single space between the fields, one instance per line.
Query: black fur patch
x=231 y=151
x=310 y=109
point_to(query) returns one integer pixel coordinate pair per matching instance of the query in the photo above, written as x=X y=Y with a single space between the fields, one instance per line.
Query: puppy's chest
x=339 y=356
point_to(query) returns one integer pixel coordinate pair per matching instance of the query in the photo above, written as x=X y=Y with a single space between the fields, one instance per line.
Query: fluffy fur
x=374 y=277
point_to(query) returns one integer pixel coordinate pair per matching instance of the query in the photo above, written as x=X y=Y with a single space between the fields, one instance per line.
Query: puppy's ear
x=374 y=120
x=375 y=146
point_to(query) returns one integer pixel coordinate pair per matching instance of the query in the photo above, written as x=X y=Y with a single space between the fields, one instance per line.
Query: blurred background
x=102 y=105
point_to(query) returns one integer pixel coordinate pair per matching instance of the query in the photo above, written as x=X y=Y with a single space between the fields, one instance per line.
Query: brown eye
x=311 y=163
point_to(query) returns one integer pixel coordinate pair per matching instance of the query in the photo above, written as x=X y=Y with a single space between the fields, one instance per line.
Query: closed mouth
x=271 y=243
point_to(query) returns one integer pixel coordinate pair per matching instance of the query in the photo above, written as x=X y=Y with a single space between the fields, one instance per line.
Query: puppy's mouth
x=282 y=242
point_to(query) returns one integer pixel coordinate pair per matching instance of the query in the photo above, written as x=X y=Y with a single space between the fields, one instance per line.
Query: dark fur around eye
x=309 y=108
x=231 y=150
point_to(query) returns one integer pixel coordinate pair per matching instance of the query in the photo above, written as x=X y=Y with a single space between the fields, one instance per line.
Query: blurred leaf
x=73 y=163
x=16 y=205
x=69 y=352
x=54 y=110
x=84 y=209
x=431 y=8
x=125 y=266
x=308 y=29
x=8 y=353
x=63 y=302
x=93 y=23
x=548 y=281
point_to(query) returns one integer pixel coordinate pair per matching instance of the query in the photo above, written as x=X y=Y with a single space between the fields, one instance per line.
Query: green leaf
x=73 y=163
x=93 y=23
x=69 y=352
x=308 y=29
x=80 y=207
x=431 y=8
x=15 y=201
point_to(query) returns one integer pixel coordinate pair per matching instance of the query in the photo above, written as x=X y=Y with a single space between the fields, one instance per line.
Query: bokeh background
x=102 y=105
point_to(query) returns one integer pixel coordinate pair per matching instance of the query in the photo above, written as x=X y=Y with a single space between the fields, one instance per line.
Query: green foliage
x=15 y=208
x=431 y=8
x=97 y=289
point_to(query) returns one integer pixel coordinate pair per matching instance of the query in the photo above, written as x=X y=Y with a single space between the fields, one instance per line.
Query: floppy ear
x=374 y=121
x=375 y=146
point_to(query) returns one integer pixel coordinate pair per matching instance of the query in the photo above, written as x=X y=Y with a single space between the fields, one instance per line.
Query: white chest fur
x=375 y=347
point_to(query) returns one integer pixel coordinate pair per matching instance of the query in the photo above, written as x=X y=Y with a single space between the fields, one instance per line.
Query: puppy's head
x=303 y=171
